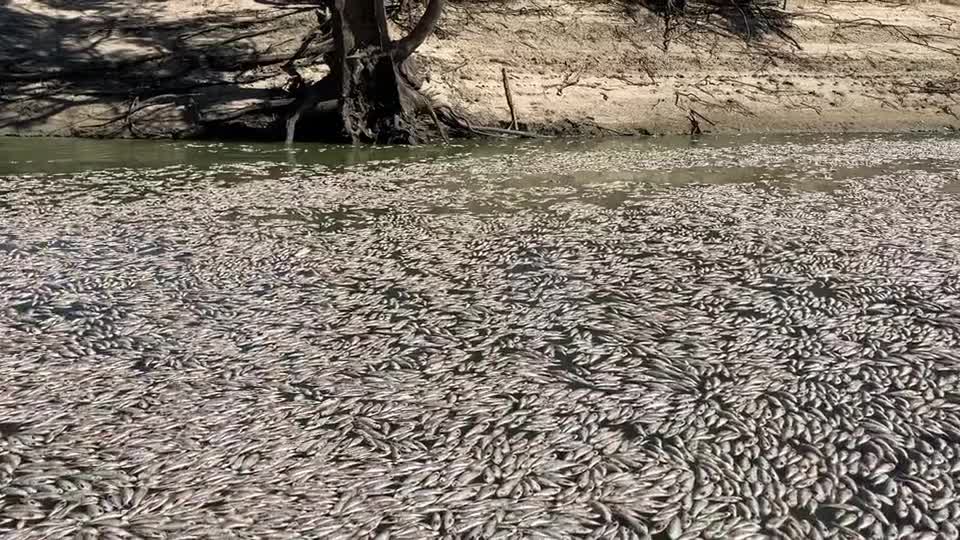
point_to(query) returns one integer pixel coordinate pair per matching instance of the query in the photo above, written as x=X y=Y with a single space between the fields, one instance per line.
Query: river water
x=730 y=337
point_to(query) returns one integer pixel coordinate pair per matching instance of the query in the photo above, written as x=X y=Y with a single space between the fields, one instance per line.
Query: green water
x=64 y=155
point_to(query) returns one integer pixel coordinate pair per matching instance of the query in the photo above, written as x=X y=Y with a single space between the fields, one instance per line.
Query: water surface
x=713 y=337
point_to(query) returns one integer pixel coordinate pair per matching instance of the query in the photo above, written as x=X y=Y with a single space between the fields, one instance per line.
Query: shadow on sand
x=137 y=67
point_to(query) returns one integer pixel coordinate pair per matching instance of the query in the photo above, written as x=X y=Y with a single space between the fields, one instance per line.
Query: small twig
x=882 y=101
x=457 y=67
x=571 y=79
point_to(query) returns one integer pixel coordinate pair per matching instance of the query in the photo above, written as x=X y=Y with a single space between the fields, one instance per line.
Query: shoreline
x=573 y=70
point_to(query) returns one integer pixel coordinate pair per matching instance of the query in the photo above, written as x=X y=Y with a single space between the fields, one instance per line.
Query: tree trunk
x=375 y=100
x=370 y=99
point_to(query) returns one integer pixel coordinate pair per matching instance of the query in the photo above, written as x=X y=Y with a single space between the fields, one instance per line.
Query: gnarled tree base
x=375 y=100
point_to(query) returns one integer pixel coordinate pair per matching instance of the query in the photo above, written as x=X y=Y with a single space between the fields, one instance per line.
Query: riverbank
x=188 y=68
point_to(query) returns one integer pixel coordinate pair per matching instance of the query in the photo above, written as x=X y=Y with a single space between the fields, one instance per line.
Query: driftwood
x=484 y=130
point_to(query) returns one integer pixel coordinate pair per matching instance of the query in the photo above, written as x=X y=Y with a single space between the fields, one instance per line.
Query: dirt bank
x=126 y=68
x=858 y=67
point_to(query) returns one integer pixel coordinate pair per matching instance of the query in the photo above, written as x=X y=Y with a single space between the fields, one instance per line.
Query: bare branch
x=403 y=48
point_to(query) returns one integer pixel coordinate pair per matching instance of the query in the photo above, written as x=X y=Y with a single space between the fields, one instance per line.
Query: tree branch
x=403 y=48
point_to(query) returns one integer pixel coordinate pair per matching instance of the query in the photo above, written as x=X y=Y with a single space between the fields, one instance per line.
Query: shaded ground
x=181 y=67
x=140 y=69
x=718 y=341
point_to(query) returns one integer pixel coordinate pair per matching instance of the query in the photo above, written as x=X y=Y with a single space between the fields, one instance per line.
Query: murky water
x=671 y=338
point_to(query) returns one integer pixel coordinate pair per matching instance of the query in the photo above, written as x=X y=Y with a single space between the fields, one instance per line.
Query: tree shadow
x=123 y=63
x=750 y=20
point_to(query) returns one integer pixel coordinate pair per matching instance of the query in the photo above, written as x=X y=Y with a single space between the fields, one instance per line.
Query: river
x=720 y=337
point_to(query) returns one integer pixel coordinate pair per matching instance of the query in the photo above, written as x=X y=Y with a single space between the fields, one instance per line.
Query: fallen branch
x=484 y=130
x=136 y=106
x=264 y=106
x=437 y=123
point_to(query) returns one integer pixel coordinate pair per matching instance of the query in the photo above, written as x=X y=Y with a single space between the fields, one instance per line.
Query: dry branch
x=509 y=95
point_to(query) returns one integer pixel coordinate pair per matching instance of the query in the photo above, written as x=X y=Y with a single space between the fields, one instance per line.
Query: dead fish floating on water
x=421 y=353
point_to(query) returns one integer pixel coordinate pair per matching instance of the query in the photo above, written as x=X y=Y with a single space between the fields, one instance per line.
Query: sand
x=870 y=66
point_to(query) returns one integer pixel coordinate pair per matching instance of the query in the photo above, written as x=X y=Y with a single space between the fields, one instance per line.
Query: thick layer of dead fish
x=542 y=344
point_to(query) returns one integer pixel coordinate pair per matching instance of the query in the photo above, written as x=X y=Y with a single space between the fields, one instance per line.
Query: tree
x=369 y=85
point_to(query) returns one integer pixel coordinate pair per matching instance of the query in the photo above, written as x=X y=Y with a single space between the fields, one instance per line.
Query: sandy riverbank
x=128 y=68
